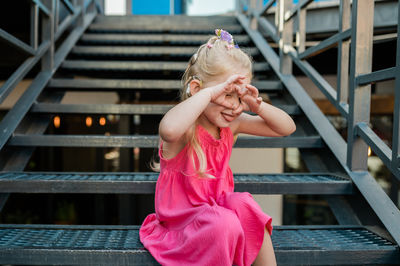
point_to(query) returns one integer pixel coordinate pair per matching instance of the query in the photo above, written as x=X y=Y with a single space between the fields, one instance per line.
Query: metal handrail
x=35 y=51
x=351 y=97
x=83 y=13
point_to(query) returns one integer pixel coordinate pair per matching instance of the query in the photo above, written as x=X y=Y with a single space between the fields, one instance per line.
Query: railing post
x=81 y=17
x=343 y=54
x=301 y=33
x=48 y=35
x=255 y=5
x=286 y=37
x=396 y=114
x=34 y=25
x=359 y=96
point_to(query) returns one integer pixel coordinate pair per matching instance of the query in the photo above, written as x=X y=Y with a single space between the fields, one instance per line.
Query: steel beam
x=376 y=76
x=359 y=96
x=22 y=70
x=15 y=42
x=151 y=141
x=325 y=45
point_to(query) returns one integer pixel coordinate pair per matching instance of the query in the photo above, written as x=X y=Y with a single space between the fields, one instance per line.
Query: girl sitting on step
x=199 y=220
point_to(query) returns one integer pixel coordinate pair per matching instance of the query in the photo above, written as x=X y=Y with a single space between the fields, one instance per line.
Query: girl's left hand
x=250 y=101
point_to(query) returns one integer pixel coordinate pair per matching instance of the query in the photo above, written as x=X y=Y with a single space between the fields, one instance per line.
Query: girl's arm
x=180 y=118
x=270 y=121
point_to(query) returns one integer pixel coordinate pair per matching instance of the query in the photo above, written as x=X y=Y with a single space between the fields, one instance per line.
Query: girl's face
x=216 y=115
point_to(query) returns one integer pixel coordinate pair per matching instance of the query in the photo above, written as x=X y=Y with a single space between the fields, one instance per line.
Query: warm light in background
x=57 y=121
x=89 y=121
x=369 y=151
x=102 y=121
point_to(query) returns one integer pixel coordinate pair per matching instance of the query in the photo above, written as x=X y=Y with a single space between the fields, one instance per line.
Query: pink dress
x=201 y=221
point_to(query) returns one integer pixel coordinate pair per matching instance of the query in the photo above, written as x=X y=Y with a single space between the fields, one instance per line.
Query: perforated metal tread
x=120 y=245
x=144 y=183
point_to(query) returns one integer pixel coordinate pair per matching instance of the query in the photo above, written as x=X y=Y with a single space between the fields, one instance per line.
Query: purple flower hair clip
x=226 y=36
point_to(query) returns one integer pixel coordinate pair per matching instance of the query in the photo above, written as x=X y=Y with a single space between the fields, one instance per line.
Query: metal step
x=145 y=183
x=142 y=51
x=126 y=27
x=137 y=84
x=151 y=39
x=168 y=20
x=162 y=24
x=151 y=141
x=126 y=109
x=120 y=245
x=89 y=65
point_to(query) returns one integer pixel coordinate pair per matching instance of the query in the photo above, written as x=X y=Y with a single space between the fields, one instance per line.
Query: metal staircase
x=147 y=54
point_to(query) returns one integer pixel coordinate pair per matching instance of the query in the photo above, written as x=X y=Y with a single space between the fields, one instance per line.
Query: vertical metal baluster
x=277 y=8
x=254 y=6
x=286 y=37
x=81 y=17
x=359 y=96
x=56 y=15
x=301 y=32
x=34 y=25
x=396 y=117
x=343 y=55
x=48 y=35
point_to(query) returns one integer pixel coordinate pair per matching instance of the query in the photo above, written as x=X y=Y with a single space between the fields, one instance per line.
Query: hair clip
x=226 y=36
x=209 y=45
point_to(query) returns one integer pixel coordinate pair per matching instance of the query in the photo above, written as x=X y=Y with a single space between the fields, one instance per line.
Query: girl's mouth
x=228 y=117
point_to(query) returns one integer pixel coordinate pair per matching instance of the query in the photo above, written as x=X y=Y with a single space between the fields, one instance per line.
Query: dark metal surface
x=325 y=44
x=122 y=108
x=120 y=245
x=145 y=51
x=139 y=84
x=144 y=183
x=15 y=42
x=380 y=75
x=151 y=141
x=151 y=39
x=136 y=66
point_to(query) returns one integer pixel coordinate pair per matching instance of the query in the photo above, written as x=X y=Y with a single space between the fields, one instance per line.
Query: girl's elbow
x=289 y=130
x=168 y=135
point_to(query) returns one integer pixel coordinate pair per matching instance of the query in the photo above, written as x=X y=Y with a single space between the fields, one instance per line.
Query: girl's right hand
x=219 y=92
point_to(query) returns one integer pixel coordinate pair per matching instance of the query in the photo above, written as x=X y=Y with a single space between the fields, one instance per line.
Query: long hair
x=212 y=59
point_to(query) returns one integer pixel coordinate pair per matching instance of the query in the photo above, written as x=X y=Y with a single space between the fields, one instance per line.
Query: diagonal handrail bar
x=325 y=44
x=22 y=70
x=42 y=7
x=266 y=7
x=301 y=5
x=15 y=42
x=69 y=6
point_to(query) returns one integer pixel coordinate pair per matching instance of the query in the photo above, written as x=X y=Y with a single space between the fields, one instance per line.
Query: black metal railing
x=81 y=14
x=353 y=93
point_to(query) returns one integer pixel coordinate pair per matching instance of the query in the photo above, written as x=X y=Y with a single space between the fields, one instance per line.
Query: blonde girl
x=199 y=219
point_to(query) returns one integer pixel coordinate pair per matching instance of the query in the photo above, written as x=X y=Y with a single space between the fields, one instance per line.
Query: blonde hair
x=212 y=59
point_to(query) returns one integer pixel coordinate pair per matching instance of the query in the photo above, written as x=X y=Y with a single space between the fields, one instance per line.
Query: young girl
x=199 y=220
